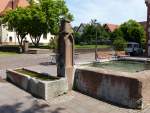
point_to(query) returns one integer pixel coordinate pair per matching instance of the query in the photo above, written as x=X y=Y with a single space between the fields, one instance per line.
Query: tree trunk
x=20 y=41
x=36 y=40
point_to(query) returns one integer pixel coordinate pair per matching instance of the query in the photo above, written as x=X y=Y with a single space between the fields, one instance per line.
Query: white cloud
x=112 y=11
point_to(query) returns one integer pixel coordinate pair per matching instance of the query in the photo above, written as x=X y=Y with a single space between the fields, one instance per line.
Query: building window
x=10 y=39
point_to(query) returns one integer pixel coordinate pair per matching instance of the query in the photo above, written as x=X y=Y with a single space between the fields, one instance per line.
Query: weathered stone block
x=19 y=79
x=37 y=87
x=118 y=88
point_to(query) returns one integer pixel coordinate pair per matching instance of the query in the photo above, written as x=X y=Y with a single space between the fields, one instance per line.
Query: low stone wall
x=88 y=50
x=38 y=88
x=10 y=48
x=39 y=51
x=121 y=88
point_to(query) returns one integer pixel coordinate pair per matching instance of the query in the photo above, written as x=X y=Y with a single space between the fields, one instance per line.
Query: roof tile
x=6 y=5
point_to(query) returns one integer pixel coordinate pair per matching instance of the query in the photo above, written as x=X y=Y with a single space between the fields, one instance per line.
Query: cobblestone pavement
x=15 y=100
x=21 y=60
x=35 y=62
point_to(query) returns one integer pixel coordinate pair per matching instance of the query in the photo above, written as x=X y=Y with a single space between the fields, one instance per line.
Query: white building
x=9 y=37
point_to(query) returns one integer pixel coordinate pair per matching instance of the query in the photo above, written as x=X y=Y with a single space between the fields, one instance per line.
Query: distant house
x=111 y=27
x=9 y=37
x=6 y=5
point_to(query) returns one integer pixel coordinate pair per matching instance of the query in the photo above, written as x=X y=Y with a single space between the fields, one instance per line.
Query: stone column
x=148 y=28
x=26 y=46
x=65 y=52
x=0 y=33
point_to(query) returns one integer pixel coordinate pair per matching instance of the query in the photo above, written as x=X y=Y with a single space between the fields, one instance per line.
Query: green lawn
x=91 y=46
x=77 y=46
x=7 y=53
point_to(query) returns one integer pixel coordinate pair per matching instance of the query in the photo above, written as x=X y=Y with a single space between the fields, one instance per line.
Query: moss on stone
x=36 y=75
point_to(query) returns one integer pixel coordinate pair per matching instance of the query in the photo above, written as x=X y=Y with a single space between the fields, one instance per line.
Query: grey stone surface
x=25 y=60
x=22 y=81
x=110 y=86
x=37 y=87
x=15 y=100
x=38 y=62
x=56 y=88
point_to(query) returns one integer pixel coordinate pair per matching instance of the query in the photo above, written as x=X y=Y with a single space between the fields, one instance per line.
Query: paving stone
x=15 y=100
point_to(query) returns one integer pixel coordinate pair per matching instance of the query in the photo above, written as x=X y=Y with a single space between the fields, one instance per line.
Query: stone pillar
x=148 y=28
x=65 y=52
x=0 y=33
x=26 y=46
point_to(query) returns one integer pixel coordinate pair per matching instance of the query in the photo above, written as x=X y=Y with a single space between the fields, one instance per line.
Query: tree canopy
x=36 y=25
x=91 y=30
x=17 y=20
x=131 y=31
x=55 y=10
x=37 y=19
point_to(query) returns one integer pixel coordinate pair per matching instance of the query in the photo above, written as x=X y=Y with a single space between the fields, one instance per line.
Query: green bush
x=119 y=43
x=53 y=43
x=10 y=48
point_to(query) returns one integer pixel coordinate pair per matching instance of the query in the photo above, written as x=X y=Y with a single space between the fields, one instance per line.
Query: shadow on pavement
x=36 y=107
x=47 y=63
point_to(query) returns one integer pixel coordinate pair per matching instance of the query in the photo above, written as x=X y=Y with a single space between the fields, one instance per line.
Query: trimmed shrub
x=10 y=48
x=119 y=44
x=53 y=43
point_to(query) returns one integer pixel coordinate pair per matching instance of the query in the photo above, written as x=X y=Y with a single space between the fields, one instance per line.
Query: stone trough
x=121 y=88
x=45 y=89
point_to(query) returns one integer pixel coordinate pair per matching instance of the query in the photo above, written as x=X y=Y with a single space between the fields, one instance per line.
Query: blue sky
x=107 y=11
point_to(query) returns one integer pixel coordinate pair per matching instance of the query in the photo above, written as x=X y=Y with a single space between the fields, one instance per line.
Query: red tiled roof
x=111 y=27
x=6 y=5
x=22 y=3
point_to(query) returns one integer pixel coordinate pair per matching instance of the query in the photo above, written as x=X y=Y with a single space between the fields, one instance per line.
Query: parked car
x=133 y=48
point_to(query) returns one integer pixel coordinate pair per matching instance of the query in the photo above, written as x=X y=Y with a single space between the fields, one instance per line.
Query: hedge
x=10 y=48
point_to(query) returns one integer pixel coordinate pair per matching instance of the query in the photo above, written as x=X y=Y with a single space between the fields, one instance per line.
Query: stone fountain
x=65 y=52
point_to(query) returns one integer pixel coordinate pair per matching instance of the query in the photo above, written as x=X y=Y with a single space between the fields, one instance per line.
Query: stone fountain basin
x=39 y=88
x=126 y=89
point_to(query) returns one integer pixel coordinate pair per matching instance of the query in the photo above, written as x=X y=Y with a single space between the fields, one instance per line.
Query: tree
x=91 y=30
x=46 y=16
x=55 y=10
x=17 y=21
x=115 y=34
x=37 y=25
x=132 y=31
x=77 y=38
x=37 y=19
x=30 y=1
x=119 y=43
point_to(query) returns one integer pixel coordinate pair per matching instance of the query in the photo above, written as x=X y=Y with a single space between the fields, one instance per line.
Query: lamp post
x=95 y=24
x=96 y=45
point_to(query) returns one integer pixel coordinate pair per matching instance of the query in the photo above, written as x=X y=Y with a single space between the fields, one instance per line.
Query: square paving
x=15 y=100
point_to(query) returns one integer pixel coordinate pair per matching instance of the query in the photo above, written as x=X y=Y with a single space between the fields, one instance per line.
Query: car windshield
x=136 y=45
